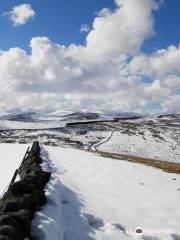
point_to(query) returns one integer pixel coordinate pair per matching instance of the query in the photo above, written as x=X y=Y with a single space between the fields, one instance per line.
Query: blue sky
x=47 y=63
x=60 y=20
x=166 y=26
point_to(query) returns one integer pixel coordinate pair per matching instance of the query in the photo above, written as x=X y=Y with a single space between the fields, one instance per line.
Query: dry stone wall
x=23 y=198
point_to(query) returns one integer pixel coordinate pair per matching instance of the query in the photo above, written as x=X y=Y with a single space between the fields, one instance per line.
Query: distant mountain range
x=68 y=116
x=26 y=116
x=76 y=116
x=174 y=116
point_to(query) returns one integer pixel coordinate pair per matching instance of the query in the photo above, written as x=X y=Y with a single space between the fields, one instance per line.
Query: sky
x=119 y=55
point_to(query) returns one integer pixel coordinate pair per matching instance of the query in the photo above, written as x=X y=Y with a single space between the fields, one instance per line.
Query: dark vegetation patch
x=156 y=134
x=47 y=137
x=163 y=165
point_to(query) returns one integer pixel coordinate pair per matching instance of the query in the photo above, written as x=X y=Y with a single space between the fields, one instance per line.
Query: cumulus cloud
x=85 y=28
x=20 y=14
x=121 y=31
x=160 y=63
x=106 y=73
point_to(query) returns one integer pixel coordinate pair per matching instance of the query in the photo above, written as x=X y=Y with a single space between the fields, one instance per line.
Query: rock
x=9 y=220
x=11 y=205
x=23 y=218
x=3 y=237
x=11 y=232
x=23 y=198
x=27 y=202
x=20 y=188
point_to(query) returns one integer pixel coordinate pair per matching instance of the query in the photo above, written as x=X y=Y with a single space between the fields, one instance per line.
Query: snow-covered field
x=5 y=124
x=91 y=197
x=11 y=156
x=153 y=138
x=143 y=144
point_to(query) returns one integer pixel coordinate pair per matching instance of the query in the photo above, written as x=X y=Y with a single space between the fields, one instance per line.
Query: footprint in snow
x=113 y=227
x=172 y=236
x=175 y=237
x=53 y=168
x=98 y=224
x=64 y=201
x=150 y=238
x=63 y=171
x=94 y=222
x=119 y=226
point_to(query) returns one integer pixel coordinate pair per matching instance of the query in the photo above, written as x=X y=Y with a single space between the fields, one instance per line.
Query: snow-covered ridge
x=33 y=120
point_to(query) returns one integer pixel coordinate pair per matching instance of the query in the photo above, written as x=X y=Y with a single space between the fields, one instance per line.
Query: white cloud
x=161 y=63
x=121 y=31
x=20 y=14
x=106 y=73
x=85 y=28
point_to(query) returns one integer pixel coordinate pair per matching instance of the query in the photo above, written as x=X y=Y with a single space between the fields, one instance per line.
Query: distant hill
x=174 y=116
x=26 y=116
x=68 y=116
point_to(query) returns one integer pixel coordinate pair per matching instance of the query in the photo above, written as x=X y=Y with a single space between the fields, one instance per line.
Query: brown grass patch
x=163 y=165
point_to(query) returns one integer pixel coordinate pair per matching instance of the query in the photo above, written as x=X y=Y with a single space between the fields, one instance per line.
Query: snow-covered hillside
x=91 y=197
x=144 y=143
x=33 y=120
x=157 y=138
x=11 y=157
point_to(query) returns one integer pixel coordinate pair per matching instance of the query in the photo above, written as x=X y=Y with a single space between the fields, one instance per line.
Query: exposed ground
x=165 y=166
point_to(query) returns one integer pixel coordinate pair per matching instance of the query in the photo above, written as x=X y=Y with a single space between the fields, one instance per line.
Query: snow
x=91 y=197
x=11 y=157
x=48 y=222
x=6 y=124
x=143 y=145
x=95 y=146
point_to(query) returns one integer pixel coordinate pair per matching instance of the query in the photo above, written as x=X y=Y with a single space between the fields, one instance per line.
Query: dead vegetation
x=163 y=165
x=156 y=134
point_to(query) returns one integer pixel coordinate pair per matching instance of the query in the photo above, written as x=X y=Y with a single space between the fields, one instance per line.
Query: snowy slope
x=6 y=124
x=91 y=197
x=144 y=145
x=11 y=156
